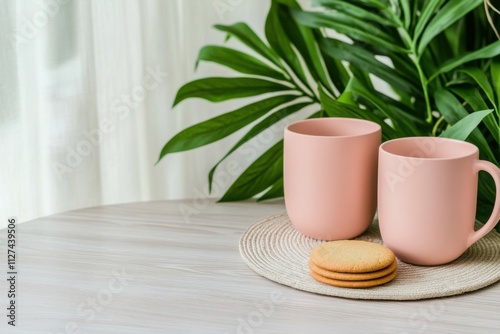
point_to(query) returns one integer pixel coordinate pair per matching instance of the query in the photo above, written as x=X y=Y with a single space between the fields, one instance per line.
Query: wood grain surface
x=174 y=267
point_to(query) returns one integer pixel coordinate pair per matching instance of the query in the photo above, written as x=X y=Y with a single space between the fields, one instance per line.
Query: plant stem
x=423 y=82
x=415 y=58
x=436 y=126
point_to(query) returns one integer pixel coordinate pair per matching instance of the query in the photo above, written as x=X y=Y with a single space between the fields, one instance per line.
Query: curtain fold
x=87 y=87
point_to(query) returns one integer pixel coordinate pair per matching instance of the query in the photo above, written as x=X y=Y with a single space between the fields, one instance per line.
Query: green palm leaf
x=489 y=51
x=304 y=41
x=482 y=80
x=276 y=191
x=221 y=126
x=278 y=40
x=355 y=11
x=463 y=128
x=263 y=172
x=221 y=89
x=366 y=61
x=474 y=99
x=451 y=12
x=247 y=36
x=428 y=11
x=453 y=111
x=238 y=61
x=344 y=24
x=257 y=129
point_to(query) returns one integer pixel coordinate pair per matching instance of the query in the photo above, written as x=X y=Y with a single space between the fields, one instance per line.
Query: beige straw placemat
x=276 y=250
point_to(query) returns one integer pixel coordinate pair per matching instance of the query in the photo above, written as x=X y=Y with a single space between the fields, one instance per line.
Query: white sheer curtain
x=86 y=88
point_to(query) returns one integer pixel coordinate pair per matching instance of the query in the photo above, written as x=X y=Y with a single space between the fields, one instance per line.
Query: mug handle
x=494 y=171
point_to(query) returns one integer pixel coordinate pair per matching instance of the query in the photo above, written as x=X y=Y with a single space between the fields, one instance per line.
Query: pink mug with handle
x=330 y=176
x=427 y=198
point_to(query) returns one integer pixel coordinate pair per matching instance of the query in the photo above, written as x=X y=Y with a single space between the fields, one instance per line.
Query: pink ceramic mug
x=330 y=176
x=427 y=198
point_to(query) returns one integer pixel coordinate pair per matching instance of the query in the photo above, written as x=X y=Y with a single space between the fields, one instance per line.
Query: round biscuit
x=355 y=284
x=352 y=256
x=353 y=277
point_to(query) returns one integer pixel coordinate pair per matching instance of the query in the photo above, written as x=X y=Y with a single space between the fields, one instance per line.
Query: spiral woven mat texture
x=273 y=248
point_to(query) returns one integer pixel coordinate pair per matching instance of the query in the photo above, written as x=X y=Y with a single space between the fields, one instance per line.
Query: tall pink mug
x=330 y=176
x=427 y=190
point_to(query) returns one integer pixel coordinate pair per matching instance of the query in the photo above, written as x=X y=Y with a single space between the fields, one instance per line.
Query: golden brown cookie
x=355 y=284
x=352 y=256
x=353 y=277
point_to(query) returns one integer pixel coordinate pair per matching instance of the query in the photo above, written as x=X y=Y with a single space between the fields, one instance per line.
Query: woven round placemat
x=276 y=250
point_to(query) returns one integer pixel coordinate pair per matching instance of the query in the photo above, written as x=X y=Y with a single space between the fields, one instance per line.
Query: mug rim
x=376 y=127
x=474 y=149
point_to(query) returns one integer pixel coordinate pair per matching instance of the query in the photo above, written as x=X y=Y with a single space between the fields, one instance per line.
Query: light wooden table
x=149 y=268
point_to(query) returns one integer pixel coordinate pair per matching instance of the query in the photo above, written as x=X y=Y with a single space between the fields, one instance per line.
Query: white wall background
x=79 y=124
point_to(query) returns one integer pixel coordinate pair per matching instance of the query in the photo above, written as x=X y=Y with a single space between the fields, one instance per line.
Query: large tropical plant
x=415 y=67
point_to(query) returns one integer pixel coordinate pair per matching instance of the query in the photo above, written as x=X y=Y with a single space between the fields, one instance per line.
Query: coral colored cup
x=330 y=176
x=427 y=198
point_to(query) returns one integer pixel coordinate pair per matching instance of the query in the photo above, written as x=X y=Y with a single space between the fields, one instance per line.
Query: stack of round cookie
x=352 y=264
